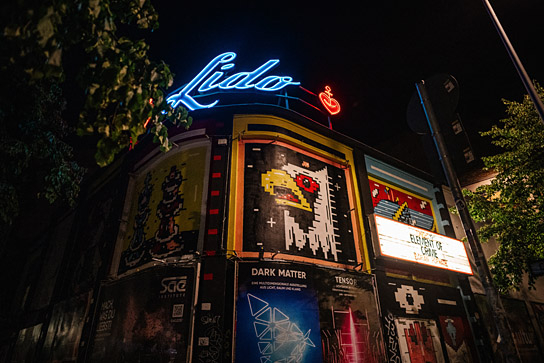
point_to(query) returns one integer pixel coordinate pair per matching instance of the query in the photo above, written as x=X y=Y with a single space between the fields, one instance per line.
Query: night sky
x=371 y=56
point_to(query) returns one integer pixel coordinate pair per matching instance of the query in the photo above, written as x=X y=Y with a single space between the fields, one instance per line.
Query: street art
x=419 y=341
x=409 y=299
x=391 y=336
x=457 y=337
x=295 y=203
x=164 y=218
x=392 y=202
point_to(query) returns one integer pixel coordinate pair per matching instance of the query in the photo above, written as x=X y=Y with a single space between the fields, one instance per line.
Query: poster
x=144 y=317
x=348 y=315
x=164 y=218
x=457 y=338
x=392 y=202
x=303 y=313
x=419 y=341
x=64 y=331
x=26 y=344
x=277 y=316
x=297 y=203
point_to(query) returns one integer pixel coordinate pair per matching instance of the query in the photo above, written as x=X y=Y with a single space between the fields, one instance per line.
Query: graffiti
x=392 y=339
x=298 y=204
x=212 y=349
x=210 y=319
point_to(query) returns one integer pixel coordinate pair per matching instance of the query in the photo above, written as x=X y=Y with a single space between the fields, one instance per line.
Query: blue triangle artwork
x=277 y=321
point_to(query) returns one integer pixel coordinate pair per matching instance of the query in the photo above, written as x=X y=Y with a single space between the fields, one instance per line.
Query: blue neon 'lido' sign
x=206 y=81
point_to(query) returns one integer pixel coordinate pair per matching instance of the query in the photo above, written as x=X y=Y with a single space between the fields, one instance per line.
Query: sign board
x=214 y=78
x=405 y=242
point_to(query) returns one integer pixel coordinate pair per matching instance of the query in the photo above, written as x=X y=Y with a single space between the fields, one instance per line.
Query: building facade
x=262 y=236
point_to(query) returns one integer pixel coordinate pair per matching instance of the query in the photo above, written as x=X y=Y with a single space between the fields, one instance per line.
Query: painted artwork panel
x=144 y=318
x=166 y=209
x=419 y=341
x=296 y=203
x=457 y=336
x=348 y=316
x=64 y=331
x=392 y=202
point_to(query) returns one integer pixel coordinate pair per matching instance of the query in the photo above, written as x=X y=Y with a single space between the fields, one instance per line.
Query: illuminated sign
x=207 y=81
x=330 y=103
x=405 y=242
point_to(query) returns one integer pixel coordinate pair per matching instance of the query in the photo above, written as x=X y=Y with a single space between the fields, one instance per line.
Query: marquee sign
x=213 y=78
x=405 y=242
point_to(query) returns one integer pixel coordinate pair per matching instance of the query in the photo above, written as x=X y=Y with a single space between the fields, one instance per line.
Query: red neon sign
x=330 y=103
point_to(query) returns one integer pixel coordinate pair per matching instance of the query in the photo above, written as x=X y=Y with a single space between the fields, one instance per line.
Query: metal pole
x=504 y=340
x=517 y=62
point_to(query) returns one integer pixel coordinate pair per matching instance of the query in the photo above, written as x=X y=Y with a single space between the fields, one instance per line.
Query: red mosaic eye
x=307 y=183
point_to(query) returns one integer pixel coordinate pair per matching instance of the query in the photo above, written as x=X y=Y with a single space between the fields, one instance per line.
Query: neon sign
x=207 y=81
x=330 y=103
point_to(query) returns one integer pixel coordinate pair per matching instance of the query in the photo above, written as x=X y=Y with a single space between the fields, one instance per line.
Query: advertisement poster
x=164 y=219
x=297 y=203
x=303 y=313
x=348 y=315
x=144 y=318
x=64 y=332
x=458 y=338
x=394 y=203
x=419 y=341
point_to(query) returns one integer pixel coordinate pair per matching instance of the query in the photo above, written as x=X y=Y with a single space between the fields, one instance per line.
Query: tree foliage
x=74 y=66
x=512 y=206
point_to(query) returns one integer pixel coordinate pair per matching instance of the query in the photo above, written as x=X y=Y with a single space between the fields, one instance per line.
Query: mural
x=457 y=336
x=424 y=321
x=64 y=332
x=296 y=203
x=419 y=341
x=165 y=214
x=144 y=318
x=394 y=203
x=302 y=313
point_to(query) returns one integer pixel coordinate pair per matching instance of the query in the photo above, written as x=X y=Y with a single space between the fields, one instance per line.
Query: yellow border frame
x=243 y=135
